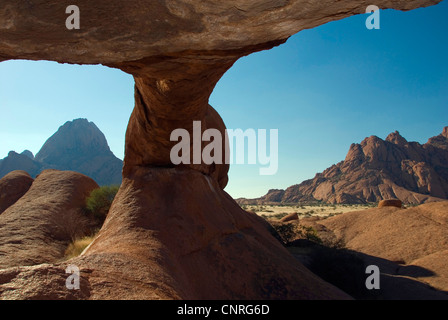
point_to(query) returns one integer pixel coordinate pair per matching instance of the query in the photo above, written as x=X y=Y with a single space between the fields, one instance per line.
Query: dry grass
x=77 y=247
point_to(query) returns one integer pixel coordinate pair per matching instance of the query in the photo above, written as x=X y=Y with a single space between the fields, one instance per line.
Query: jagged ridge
x=375 y=170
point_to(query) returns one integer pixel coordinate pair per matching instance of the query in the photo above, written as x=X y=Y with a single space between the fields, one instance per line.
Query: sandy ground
x=303 y=210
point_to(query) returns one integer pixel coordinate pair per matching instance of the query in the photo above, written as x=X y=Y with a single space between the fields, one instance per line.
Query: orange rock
x=403 y=243
x=196 y=243
x=172 y=232
x=38 y=227
x=390 y=203
x=290 y=217
x=12 y=187
x=375 y=170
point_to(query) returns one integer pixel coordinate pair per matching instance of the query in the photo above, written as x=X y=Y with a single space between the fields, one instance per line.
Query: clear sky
x=323 y=90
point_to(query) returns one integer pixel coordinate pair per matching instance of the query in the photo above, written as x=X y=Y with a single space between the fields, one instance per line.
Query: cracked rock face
x=176 y=222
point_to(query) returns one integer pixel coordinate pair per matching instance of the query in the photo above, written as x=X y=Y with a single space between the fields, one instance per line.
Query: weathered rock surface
x=290 y=217
x=407 y=244
x=390 y=203
x=12 y=187
x=201 y=246
x=114 y=31
x=172 y=233
x=38 y=227
x=223 y=252
x=376 y=170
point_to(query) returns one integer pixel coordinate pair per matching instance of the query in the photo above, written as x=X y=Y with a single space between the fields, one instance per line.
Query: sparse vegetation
x=77 y=247
x=291 y=231
x=308 y=233
x=278 y=211
x=97 y=207
x=279 y=215
x=286 y=231
x=100 y=201
x=69 y=225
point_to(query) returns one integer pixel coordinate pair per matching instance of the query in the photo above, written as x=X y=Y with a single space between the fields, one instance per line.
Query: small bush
x=279 y=215
x=77 y=247
x=69 y=225
x=291 y=231
x=286 y=231
x=100 y=200
x=308 y=233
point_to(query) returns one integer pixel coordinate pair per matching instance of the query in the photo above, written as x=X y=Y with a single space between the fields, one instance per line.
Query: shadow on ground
x=346 y=269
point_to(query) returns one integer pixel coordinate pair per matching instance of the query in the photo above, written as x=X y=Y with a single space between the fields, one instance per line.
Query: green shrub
x=291 y=231
x=100 y=200
x=279 y=215
x=286 y=231
x=308 y=233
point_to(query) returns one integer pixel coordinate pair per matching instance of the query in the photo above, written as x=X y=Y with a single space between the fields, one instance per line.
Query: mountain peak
x=375 y=170
x=77 y=137
x=79 y=122
x=396 y=138
x=79 y=146
x=28 y=153
x=440 y=141
x=355 y=153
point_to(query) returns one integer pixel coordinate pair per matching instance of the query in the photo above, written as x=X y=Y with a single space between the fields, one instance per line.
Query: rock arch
x=173 y=233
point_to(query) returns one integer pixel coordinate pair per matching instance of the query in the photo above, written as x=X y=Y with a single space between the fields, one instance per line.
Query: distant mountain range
x=376 y=170
x=78 y=146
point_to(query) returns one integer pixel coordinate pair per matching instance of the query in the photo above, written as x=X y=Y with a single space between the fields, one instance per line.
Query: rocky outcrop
x=290 y=217
x=138 y=256
x=440 y=141
x=376 y=170
x=213 y=230
x=78 y=146
x=173 y=232
x=38 y=227
x=12 y=187
x=390 y=203
x=408 y=245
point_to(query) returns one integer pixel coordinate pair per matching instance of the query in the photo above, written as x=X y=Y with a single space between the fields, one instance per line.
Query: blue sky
x=323 y=90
